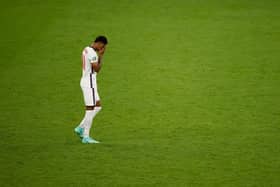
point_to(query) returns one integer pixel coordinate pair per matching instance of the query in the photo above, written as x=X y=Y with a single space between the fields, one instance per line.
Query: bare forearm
x=100 y=60
x=99 y=63
x=96 y=67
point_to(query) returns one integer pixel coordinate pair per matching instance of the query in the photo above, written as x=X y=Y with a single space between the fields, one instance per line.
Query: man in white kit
x=92 y=61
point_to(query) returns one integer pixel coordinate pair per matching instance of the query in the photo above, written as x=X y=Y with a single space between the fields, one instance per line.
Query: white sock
x=82 y=124
x=90 y=114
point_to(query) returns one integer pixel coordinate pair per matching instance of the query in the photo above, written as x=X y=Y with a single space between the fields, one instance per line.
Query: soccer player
x=92 y=62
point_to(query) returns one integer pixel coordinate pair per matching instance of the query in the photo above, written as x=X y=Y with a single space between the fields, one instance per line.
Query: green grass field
x=190 y=93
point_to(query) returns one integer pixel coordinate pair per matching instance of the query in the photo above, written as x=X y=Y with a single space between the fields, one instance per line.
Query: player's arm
x=94 y=61
x=96 y=66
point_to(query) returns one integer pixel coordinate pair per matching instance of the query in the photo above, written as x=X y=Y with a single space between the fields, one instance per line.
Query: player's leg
x=89 y=103
x=91 y=111
x=82 y=123
x=88 y=122
x=96 y=109
x=80 y=128
x=90 y=114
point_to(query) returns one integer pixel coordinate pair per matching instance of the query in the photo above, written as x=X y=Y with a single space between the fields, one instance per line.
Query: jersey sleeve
x=93 y=57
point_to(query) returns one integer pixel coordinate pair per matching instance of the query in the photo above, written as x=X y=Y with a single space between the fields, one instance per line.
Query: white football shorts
x=90 y=96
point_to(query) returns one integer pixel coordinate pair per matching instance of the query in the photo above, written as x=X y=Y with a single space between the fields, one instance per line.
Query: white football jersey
x=89 y=56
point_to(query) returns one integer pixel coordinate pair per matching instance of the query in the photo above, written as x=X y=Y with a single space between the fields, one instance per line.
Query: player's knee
x=97 y=107
x=98 y=104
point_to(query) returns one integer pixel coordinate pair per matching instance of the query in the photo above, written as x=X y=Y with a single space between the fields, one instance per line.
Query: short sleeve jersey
x=89 y=56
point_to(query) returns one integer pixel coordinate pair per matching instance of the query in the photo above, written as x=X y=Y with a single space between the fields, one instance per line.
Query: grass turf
x=190 y=93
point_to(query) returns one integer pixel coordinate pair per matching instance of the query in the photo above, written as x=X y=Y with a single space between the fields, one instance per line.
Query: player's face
x=99 y=47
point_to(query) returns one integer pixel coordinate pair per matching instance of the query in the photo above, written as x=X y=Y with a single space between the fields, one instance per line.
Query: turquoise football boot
x=87 y=140
x=79 y=131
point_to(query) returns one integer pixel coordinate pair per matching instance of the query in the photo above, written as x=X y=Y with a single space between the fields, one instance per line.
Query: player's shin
x=90 y=114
